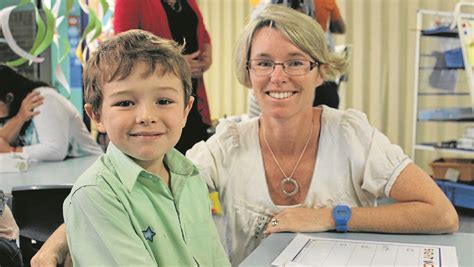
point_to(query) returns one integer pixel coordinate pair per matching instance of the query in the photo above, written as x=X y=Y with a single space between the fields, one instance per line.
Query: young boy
x=142 y=203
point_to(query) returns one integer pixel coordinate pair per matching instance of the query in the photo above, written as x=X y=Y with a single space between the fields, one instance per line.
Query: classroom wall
x=224 y=20
x=381 y=76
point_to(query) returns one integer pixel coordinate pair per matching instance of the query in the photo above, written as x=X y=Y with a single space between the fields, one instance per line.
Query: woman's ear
x=9 y=98
x=322 y=70
x=94 y=117
x=321 y=74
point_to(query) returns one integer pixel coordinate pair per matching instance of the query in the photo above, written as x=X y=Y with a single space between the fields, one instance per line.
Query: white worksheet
x=313 y=251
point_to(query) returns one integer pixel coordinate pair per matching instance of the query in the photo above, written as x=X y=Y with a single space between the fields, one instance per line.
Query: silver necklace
x=288 y=180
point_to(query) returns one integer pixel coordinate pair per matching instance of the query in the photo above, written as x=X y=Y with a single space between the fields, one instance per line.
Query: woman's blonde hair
x=303 y=31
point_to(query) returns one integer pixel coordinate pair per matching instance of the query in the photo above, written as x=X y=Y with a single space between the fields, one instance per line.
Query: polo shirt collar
x=129 y=171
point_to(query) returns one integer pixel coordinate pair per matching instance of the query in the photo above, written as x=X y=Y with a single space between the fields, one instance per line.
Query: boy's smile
x=144 y=115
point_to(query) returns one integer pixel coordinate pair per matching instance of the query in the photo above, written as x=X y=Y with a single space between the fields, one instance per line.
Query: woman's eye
x=124 y=104
x=164 y=102
x=295 y=63
x=264 y=63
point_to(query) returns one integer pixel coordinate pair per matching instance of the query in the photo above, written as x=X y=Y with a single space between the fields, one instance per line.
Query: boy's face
x=143 y=117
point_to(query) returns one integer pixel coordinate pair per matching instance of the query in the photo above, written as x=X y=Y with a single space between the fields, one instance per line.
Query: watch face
x=342 y=212
x=341 y=215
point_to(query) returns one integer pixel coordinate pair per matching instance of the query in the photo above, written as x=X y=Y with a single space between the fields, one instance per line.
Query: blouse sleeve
x=371 y=154
x=334 y=10
x=52 y=129
x=209 y=155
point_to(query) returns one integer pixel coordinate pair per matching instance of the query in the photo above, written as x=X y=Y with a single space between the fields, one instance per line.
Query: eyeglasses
x=294 y=67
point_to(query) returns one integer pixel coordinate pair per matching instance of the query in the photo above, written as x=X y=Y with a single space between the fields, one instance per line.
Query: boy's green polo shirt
x=119 y=214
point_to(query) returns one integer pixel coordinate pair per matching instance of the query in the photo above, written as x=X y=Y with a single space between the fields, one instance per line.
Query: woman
x=292 y=165
x=181 y=21
x=293 y=168
x=56 y=130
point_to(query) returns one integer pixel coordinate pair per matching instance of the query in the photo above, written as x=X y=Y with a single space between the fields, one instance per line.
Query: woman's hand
x=194 y=64
x=301 y=220
x=206 y=57
x=12 y=127
x=29 y=103
x=4 y=146
x=200 y=61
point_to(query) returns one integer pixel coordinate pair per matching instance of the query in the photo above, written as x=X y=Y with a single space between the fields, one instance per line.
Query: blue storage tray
x=453 y=58
x=461 y=195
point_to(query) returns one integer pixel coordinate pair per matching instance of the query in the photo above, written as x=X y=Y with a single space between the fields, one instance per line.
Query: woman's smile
x=281 y=95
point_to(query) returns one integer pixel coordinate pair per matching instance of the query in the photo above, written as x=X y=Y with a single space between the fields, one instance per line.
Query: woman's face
x=280 y=94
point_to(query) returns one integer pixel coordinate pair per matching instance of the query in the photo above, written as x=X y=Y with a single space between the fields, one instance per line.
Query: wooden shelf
x=445 y=150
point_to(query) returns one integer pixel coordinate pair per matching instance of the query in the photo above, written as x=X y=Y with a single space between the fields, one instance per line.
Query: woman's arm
x=55 y=251
x=421 y=208
x=9 y=132
x=52 y=128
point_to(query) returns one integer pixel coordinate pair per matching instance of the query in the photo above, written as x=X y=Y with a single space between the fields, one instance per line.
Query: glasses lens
x=261 y=67
x=297 y=67
x=294 y=67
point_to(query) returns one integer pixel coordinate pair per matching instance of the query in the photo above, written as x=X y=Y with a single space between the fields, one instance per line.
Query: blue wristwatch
x=341 y=215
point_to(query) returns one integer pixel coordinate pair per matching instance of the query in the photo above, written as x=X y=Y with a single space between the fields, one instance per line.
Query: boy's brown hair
x=115 y=59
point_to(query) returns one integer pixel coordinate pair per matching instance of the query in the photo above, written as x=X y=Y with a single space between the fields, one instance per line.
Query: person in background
x=299 y=168
x=12 y=127
x=327 y=14
x=56 y=130
x=10 y=254
x=181 y=21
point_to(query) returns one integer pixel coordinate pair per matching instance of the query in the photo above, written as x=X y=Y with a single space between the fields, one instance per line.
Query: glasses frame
x=312 y=65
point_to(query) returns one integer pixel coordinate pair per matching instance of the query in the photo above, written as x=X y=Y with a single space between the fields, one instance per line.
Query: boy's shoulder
x=179 y=163
x=98 y=174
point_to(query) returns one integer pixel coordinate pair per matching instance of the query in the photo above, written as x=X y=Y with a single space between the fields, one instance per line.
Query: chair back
x=38 y=212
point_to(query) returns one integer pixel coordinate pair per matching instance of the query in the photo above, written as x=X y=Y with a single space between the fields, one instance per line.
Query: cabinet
x=444 y=88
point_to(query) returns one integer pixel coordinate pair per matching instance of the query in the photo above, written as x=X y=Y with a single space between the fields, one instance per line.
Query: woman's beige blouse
x=356 y=164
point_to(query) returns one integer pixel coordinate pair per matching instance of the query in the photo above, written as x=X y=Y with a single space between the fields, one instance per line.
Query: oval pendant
x=289 y=181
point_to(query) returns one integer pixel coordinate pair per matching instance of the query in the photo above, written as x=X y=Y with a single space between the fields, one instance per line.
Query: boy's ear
x=94 y=117
x=187 y=109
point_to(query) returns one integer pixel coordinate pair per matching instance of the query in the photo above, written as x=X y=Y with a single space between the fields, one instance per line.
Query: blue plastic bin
x=461 y=195
x=453 y=58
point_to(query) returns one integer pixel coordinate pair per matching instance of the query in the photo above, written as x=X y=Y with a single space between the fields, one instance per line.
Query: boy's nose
x=146 y=120
x=146 y=116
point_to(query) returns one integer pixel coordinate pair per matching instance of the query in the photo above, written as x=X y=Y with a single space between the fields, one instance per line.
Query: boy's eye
x=163 y=101
x=124 y=103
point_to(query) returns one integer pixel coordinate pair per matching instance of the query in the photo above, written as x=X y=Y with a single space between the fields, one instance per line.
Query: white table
x=272 y=246
x=47 y=173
